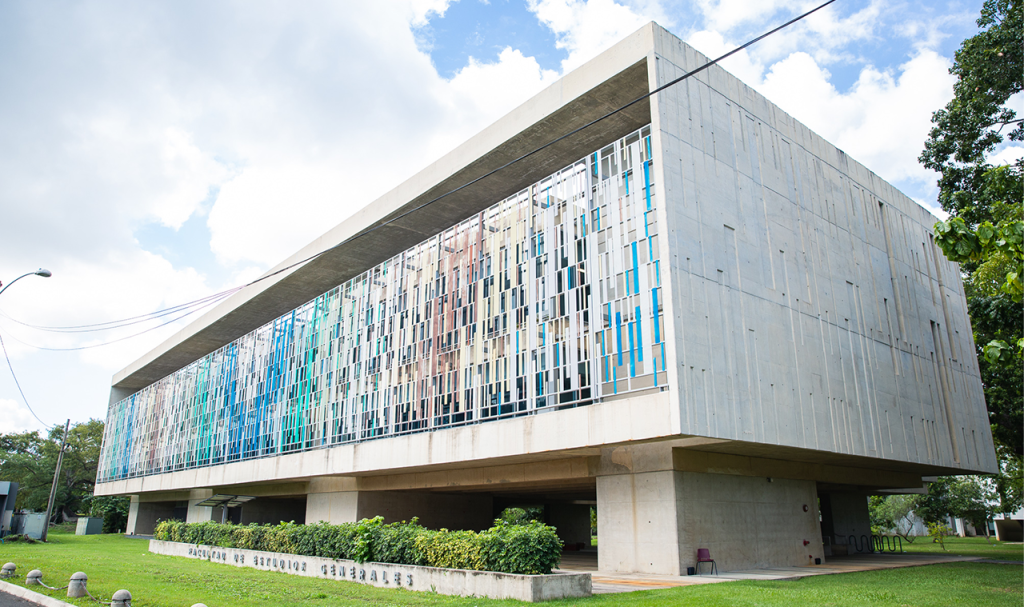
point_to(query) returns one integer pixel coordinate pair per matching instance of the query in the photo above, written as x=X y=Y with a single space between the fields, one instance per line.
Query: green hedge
x=529 y=547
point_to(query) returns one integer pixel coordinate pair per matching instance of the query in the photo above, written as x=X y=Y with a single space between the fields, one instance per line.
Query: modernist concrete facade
x=799 y=339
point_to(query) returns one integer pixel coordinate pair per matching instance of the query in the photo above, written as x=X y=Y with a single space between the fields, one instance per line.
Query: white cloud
x=297 y=116
x=584 y=29
x=15 y=417
x=489 y=90
x=882 y=121
x=742 y=65
x=1009 y=154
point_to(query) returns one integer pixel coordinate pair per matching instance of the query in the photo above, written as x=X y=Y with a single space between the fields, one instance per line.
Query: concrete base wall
x=748 y=522
x=272 y=511
x=434 y=510
x=654 y=522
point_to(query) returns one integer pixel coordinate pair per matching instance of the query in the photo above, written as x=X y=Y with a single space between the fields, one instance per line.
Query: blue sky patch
x=473 y=28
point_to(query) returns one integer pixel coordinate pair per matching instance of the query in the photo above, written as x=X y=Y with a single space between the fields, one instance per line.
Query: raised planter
x=458 y=582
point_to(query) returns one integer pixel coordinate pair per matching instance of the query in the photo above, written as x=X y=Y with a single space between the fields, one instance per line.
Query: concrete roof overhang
x=614 y=78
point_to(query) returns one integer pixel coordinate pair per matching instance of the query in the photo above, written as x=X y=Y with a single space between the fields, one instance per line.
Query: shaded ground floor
x=653 y=506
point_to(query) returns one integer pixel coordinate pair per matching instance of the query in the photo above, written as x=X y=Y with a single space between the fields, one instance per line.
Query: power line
x=117 y=324
x=114 y=341
x=222 y=294
x=18 y=384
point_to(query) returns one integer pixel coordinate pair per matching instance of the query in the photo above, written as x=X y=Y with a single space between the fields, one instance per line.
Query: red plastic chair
x=704 y=556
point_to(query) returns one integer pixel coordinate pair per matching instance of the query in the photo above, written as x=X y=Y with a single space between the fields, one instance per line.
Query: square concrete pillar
x=333 y=507
x=199 y=514
x=637 y=522
x=133 y=515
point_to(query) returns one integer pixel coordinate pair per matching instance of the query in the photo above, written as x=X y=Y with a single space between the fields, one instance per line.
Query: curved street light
x=64 y=441
x=40 y=272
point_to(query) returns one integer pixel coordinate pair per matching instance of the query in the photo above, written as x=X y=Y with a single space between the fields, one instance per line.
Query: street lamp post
x=40 y=272
x=53 y=488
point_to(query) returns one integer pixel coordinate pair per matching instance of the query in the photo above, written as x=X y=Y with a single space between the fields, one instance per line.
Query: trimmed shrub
x=281 y=538
x=451 y=549
x=531 y=547
x=396 y=543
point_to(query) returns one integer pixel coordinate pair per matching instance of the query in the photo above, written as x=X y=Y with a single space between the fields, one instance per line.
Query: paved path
x=7 y=600
x=605 y=582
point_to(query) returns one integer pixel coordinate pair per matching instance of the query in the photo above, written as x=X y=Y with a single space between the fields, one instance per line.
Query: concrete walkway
x=605 y=582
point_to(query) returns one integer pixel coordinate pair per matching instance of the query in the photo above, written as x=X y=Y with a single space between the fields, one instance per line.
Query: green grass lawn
x=114 y=562
x=969 y=546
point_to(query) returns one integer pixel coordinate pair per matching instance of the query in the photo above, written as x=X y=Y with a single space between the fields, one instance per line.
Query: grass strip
x=114 y=562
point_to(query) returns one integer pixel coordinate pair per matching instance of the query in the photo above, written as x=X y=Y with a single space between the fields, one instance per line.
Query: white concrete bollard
x=76 y=587
x=121 y=598
x=34 y=578
x=8 y=570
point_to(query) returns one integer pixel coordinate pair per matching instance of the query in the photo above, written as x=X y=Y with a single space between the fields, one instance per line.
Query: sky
x=155 y=153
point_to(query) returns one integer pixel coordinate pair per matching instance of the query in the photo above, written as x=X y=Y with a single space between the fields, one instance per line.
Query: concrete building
x=696 y=314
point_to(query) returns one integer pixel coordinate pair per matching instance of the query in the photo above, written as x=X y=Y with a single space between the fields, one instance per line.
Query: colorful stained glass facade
x=548 y=299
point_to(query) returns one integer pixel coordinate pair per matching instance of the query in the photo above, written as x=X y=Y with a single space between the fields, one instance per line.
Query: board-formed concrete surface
x=818 y=347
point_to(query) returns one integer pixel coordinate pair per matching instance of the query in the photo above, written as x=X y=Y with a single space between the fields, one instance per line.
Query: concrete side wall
x=435 y=510
x=810 y=306
x=271 y=510
x=748 y=522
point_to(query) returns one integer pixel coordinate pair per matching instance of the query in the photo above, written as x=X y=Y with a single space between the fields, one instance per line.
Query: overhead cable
x=223 y=294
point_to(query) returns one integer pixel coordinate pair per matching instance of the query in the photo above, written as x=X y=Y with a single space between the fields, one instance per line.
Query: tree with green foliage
x=893 y=514
x=965 y=497
x=985 y=228
x=29 y=459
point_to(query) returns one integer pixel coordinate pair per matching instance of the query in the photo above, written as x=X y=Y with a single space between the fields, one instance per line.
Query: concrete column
x=133 y=515
x=199 y=514
x=333 y=507
x=572 y=522
x=637 y=523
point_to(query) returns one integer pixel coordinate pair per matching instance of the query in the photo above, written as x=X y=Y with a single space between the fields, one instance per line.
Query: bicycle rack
x=865 y=545
x=883 y=543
